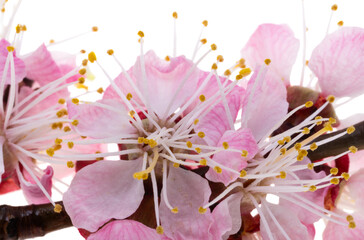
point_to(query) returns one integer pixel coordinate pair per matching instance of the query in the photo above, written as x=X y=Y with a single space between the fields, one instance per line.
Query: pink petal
x=8 y=185
x=352 y=120
x=241 y=140
x=66 y=63
x=125 y=230
x=276 y=42
x=99 y=122
x=18 y=64
x=268 y=105
x=336 y=231
x=287 y=219
x=33 y=193
x=338 y=62
x=311 y=230
x=356 y=188
x=227 y=217
x=216 y=123
x=356 y=161
x=102 y=191
x=187 y=191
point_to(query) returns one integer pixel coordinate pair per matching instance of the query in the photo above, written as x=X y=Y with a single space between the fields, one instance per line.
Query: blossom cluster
x=201 y=154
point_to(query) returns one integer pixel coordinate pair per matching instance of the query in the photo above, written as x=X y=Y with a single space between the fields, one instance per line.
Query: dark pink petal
x=187 y=191
x=32 y=192
x=99 y=122
x=18 y=64
x=268 y=105
x=8 y=185
x=338 y=62
x=216 y=123
x=311 y=231
x=227 y=217
x=240 y=140
x=287 y=219
x=125 y=230
x=276 y=42
x=102 y=191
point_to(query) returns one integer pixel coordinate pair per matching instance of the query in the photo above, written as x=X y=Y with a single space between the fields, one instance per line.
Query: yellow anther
x=18 y=28
x=58 y=141
x=283 y=151
x=220 y=58
x=202 y=98
x=81 y=80
x=297 y=146
x=340 y=23
x=335 y=181
x=349 y=218
x=138 y=175
x=287 y=139
x=57 y=208
x=140 y=139
x=352 y=225
x=92 y=57
x=303 y=152
x=167 y=58
x=175 y=15
x=95 y=29
x=318 y=118
x=176 y=165
x=66 y=129
x=129 y=96
x=243 y=173
x=238 y=77
x=332 y=120
x=152 y=143
x=350 y=130
x=74 y=122
x=214 y=66
x=353 y=149
x=244 y=153
x=201 y=134
x=310 y=166
x=60 y=125
x=245 y=72
x=203 y=162
x=54 y=125
x=110 y=52
x=56 y=147
x=82 y=51
x=84 y=62
x=196 y=121
x=70 y=144
x=300 y=157
x=346 y=176
x=189 y=144
x=82 y=71
x=145 y=176
x=10 y=48
x=334 y=170
x=213 y=47
x=227 y=72
x=306 y=130
x=218 y=169
x=281 y=142
x=23 y=28
x=203 y=41
x=61 y=101
x=145 y=141
x=267 y=61
x=174 y=210
x=75 y=100
x=330 y=98
x=159 y=230
x=205 y=23
x=225 y=145
x=308 y=104
x=70 y=164
x=100 y=90
x=334 y=7
x=313 y=146
x=50 y=152
x=312 y=188
x=3 y=10
x=307 y=62
x=282 y=174
x=202 y=210
x=198 y=150
x=141 y=34
x=131 y=113
x=328 y=127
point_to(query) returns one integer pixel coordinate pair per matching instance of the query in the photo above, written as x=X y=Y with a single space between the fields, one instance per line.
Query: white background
x=230 y=25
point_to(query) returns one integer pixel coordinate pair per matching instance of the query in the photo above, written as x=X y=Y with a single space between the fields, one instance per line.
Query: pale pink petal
x=66 y=63
x=268 y=104
x=32 y=192
x=227 y=217
x=352 y=120
x=335 y=231
x=18 y=64
x=287 y=219
x=187 y=191
x=276 y=42
x=356 y=161
x=356 y=188
x=125 y=230
x=216 y=123
x=240 y=140
x=338 y=62
x=99 y=122
x=102 y=191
